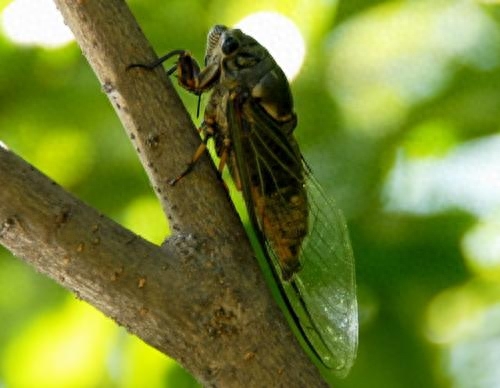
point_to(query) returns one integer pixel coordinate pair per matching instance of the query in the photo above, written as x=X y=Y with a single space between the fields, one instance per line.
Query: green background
x=399 y=108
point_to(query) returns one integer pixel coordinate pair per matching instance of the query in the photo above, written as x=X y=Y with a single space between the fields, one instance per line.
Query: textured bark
x=200 y=299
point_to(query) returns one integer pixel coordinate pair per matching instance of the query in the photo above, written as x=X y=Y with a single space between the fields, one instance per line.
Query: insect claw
x=188 y=169
x=141 y=65
x=173 y=181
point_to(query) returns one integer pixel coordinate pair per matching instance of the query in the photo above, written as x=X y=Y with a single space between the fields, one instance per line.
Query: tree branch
x=201 y=299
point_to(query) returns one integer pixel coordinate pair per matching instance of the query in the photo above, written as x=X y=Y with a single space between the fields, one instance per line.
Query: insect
x=251 y=120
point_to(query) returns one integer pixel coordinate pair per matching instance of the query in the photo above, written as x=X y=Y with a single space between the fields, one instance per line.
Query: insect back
x=250 y=118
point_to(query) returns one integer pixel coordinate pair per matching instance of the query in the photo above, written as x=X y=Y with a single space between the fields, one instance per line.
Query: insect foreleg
x=192 y=78
x=159 y=61
x=189 y=74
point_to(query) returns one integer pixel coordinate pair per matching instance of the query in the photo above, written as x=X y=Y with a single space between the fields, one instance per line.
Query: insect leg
x=223 y=160
x=189 y=74
x=190 y=165
x=225 y=154
x=197 y=155
x=159 y=61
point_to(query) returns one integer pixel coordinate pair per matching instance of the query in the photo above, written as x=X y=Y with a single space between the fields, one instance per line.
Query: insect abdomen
x=283 y=216
x=279 y=197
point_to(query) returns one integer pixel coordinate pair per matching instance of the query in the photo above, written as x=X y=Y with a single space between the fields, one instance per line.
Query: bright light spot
x=280 y=36
x=454 y=314
x=481 y=246
x=3 y=145
x=464 y=322
x=72 y=355
x=467 y=178
x=35 y=22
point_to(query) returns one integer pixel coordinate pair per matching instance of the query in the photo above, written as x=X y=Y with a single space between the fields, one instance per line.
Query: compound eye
x=230 y=45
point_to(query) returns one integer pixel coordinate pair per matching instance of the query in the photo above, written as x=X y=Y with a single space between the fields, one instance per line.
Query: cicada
x=251 y=120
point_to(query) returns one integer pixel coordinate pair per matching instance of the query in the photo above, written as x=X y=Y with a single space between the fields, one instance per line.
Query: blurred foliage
x=398 y=105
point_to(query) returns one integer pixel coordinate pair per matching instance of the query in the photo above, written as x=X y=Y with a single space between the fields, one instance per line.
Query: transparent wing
x=325 y=286
x=321 y=295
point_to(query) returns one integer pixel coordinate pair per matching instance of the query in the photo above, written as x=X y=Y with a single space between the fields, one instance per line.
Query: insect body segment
x=250 y=117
